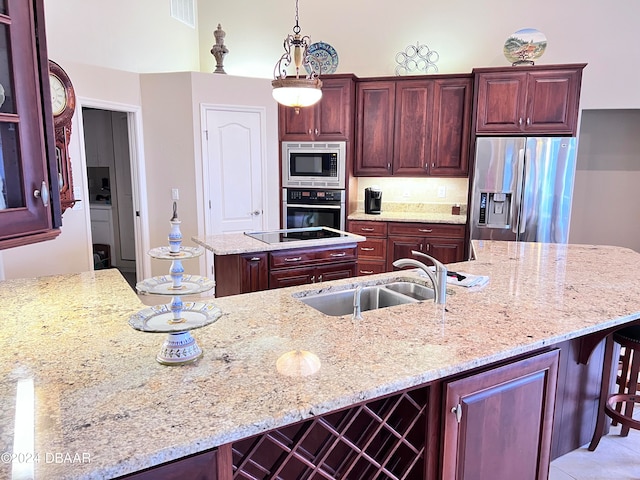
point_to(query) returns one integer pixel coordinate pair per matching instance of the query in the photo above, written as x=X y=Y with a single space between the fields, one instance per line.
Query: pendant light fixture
x=295 y=91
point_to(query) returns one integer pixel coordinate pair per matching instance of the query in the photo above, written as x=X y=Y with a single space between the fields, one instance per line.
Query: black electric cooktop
x=296 y=234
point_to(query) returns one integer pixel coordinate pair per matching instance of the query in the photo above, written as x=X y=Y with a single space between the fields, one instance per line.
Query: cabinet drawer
x=368 y=229
x=370 y=268
x=292 y=258
x=337 y=254
x=426 y=229
x=310 y=256
x=373 y=249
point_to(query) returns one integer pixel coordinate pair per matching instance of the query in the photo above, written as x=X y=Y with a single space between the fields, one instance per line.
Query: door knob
x=43 y=194
x=255 y=212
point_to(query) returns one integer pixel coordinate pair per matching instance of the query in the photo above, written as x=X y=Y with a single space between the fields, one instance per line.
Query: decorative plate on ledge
x=323 y=59
x=525 y=46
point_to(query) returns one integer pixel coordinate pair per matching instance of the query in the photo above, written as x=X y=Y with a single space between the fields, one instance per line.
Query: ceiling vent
x=184 y=11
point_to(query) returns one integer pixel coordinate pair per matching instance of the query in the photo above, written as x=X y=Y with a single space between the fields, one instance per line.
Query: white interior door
x=235 y=151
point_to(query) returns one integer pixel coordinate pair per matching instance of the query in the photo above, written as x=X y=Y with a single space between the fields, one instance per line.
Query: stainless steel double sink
x=337 y=303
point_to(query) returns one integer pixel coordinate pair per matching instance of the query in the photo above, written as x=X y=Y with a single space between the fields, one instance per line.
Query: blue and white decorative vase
x=176 y=271
x=175 y=237
x=176 y=309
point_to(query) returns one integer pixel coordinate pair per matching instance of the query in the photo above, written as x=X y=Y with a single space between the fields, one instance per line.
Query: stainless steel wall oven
x=313 y=208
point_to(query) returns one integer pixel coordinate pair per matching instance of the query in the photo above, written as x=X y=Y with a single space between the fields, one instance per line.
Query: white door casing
x=234 y=159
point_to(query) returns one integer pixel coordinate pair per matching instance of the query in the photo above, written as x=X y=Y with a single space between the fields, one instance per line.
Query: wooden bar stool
x=627 y=381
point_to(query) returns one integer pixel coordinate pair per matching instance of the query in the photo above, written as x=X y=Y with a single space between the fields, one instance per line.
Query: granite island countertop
x=238 y=243
x=103 y=400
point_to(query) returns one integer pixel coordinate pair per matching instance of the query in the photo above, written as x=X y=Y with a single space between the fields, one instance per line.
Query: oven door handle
x=324 y=207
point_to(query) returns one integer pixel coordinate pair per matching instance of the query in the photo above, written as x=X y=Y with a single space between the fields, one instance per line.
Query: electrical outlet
x=175 y=195
x=442 y=191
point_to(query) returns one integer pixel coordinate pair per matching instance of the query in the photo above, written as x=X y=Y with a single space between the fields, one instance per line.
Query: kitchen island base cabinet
x=252 y=272
x=381 y=439
x=243 y=273
x=202 y=466
x=498 y=424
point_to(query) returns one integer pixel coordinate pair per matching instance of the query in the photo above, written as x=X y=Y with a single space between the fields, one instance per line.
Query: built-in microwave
x=313 y=164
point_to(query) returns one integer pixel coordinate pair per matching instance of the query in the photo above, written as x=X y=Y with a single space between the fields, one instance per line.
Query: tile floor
x=616 y=458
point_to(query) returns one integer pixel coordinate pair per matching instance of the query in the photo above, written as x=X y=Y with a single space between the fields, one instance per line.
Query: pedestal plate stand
x=177 y=318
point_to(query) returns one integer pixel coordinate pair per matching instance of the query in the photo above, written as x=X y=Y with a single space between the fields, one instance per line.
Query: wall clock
x=63 y=105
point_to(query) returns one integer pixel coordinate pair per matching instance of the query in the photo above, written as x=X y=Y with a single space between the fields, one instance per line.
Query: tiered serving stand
x=177 y=318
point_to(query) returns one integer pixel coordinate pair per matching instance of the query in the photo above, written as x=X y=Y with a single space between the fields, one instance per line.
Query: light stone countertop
x=102 y=400
x=238 y=243
x=413 y=212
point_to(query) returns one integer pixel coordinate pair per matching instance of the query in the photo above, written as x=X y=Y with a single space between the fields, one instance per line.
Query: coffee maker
x=372 y=200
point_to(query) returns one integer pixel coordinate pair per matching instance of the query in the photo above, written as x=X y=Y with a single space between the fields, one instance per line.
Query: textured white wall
x=466 y=33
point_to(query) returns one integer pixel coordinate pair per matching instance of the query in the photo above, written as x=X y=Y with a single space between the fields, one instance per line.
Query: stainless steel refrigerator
x=522 y=188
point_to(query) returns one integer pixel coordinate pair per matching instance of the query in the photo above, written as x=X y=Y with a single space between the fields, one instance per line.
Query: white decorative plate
x=165 y=253
x=163 y=285
x=525 y=46
x=159 y=318
x=323 y=59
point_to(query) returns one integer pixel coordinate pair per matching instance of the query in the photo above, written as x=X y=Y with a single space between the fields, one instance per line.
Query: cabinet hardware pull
x=255 y=259
x=425 y=230
x=420 y=247
x=316 y=131
x=367 y=229
x=313 y=279
x=320 y=278
x=428 y=247
x=43 y=194
x=388 y=166
x=528 y=121
x=367 y=249
x=520 y=121
x=366 y=272
x=341 y=254
x=457 y=411
x=294 y=259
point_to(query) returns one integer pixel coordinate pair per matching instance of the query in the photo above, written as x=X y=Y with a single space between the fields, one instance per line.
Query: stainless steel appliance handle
x=517 y=201
x=324 y=207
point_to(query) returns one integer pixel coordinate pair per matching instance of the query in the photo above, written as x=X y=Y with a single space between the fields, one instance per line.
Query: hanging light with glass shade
x=295 y=91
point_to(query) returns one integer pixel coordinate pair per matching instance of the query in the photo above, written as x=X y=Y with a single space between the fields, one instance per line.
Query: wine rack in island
x=179 y=317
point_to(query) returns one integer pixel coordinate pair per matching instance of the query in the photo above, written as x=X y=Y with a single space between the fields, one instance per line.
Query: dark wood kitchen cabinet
x=372 y=253
x=375 y=104
x=329 y=119
x=498 y=423
x=252 y=272
x=535 y=100
x=288 y=268
x=202 y=466
x=241 y=273
x=413 y=127
x=444 y=242
x=30 y=209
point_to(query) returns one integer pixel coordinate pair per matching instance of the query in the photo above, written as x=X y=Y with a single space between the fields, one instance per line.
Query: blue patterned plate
x=323 y=59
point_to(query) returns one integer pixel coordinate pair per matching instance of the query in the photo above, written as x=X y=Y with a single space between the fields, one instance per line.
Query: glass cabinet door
x=25 y=197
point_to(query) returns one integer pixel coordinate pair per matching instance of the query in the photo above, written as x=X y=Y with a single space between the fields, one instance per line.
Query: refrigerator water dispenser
x=495 y=209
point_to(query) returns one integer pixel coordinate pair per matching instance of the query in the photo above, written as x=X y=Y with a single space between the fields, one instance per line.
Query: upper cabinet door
x=528 y=100
x=451 y=124
x=28 y=196
x=412 y=129
x=330 y=119
x=374 y=127
x=501 y=99
x=552 y=101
